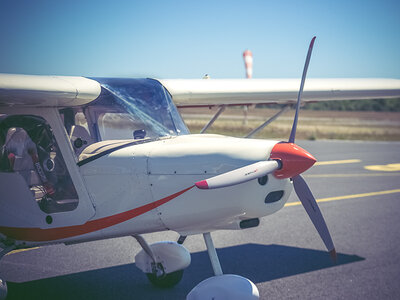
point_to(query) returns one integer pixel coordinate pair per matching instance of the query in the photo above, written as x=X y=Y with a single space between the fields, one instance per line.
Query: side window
x=28 y=147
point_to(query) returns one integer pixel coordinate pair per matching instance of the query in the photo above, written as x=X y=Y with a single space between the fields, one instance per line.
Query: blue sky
x=187 y=39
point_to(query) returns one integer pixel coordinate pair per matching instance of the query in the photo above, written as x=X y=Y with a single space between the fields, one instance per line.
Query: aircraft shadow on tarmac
x=259 y=263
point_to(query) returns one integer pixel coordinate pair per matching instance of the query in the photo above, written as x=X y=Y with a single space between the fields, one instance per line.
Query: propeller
x=287 y=160
x=241 y=175
x=303 y=79
x=313 y=211
x=300 y=186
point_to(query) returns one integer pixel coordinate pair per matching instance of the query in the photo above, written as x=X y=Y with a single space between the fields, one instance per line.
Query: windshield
x=127 y=109
x=129 y=105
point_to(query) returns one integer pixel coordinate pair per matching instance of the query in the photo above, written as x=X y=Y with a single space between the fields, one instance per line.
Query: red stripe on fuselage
x=52 y=234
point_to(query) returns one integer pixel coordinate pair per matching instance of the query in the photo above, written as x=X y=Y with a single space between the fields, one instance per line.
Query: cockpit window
x=127 y=109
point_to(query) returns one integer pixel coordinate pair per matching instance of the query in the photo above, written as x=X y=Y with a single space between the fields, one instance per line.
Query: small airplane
x=88 y=159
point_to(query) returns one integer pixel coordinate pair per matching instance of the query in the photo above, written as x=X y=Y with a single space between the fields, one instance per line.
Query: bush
x=357 y=105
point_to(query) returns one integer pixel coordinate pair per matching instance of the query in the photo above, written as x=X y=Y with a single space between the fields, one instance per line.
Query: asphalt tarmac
x=358 y=184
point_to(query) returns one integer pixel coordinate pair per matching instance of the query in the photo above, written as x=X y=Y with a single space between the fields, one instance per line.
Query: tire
x=166 y=281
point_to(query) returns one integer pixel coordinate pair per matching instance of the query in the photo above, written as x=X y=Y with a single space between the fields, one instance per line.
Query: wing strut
x=270 y=120
x=208 y=125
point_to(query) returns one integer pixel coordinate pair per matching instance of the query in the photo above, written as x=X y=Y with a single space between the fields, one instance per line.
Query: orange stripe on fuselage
x=52 y=234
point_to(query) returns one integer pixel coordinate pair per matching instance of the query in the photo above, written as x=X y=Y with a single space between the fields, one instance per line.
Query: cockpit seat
x=20 y=148
x=80 y=138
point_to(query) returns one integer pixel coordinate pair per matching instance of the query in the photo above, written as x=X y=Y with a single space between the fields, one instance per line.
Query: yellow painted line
x=385 y=168
x=21 y=250
x=351 y=175
x=337 y=162
x=349 y=197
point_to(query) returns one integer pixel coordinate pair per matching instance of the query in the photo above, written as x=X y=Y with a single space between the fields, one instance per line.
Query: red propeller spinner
x=294 y=160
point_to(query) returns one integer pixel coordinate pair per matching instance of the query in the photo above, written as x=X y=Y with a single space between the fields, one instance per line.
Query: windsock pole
x=248 y=63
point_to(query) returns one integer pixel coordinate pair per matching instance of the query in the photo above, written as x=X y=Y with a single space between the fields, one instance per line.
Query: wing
x=208 y=92
x=34 y=90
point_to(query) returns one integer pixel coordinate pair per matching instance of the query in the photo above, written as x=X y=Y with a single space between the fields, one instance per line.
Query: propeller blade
x=313 y=211
x=303 y=79
x=244 y=174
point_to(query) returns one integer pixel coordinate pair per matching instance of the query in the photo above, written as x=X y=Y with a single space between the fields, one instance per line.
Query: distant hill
x=357 y=105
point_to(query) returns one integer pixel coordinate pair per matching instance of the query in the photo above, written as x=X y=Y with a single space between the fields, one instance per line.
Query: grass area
x=378 y=126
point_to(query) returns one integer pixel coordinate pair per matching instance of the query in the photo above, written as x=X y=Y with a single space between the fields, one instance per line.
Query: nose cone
x=295 y=160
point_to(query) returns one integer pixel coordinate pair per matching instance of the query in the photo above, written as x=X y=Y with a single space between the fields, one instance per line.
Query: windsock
x=248 y=63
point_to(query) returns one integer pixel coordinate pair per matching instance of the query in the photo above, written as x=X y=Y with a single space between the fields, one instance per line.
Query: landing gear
x=222 y=286
x=163 y=262
x=212 y=253
x=3 y=289
x=3 y=283
x=228 y=286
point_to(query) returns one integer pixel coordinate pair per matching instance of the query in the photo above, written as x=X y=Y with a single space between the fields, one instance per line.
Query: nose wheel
x=222 y=286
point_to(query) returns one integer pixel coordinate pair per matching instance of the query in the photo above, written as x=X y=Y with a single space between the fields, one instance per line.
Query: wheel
x=3 y=290
x=167 y=280
x=227 y=286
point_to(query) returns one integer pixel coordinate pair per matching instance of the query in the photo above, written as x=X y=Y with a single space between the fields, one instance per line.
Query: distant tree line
x=357 y=105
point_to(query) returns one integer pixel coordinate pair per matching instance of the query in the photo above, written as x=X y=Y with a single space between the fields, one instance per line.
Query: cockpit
x=128 y=111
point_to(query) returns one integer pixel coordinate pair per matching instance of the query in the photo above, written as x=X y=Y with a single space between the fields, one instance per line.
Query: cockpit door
x=41 y=186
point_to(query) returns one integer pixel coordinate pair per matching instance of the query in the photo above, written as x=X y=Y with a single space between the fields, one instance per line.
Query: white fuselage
x=149 y=187
x=146 y=184
x=141 y=174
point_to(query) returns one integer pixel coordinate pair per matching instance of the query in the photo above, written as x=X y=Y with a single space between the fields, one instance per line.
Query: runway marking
x=22 y=250
x=349 y=197
x=337 y=162
x=351 y=175
x=385 y=168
